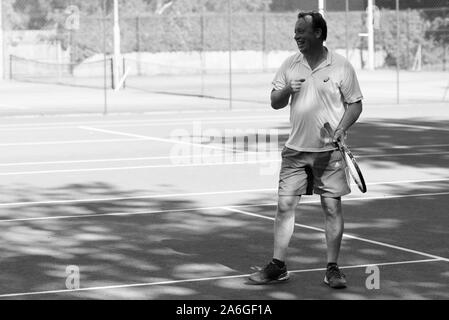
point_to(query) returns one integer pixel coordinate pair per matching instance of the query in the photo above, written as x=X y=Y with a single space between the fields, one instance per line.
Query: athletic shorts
x=305 y=173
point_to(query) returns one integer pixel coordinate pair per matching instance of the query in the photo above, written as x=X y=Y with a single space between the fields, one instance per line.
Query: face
x=305 y=36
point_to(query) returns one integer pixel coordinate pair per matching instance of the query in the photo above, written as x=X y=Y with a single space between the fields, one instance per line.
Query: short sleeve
x=350 y=87
x=280 y=79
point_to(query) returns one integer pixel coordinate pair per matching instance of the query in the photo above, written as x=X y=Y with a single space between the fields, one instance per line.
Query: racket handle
x=327 y=126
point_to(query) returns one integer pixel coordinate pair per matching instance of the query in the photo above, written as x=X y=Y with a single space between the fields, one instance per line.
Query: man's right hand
x=295 y=85
x=280 y=98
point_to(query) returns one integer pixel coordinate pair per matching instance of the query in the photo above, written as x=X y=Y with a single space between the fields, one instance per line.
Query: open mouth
x=300 y=43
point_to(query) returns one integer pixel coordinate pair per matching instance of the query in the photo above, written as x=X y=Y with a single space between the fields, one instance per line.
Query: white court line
x=345 y=235
x=167 y=121
x=393 y=124
x=41 y=143
x=385 y=155
x=154 y=196
x=149 y=122
x=136 y=167
x=199 y=156
x=410 y=146
x=10 y=106
x=199 y=163
x=185 y=209
x=132 y=135
x=194 y=156
x=125 y=214
x=158 y=122
x=174 y=282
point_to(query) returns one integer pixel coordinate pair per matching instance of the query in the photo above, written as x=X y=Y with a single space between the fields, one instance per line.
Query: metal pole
x=264 y=42
x=370 y=27
x=105 y=65
x=138 y=48
x=116 y=46
x=346 y=29
x=397 y=51
x=321 y=9
x=2 y=58
x=202 y=62
x=230 y=51
x=321 y=6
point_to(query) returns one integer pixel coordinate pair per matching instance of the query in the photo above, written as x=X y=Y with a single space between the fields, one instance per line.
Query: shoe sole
x=283 y=278
x=340 y=286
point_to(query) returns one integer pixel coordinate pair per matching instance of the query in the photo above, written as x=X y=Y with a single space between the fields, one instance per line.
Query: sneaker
x=334 y=278
x=271 y=273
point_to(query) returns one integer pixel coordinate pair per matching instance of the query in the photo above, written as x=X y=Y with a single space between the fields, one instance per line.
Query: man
x=323 y=88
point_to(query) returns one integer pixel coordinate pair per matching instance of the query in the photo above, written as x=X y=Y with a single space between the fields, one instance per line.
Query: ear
x=318 y=32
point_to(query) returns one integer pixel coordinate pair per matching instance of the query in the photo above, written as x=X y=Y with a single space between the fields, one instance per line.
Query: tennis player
x=322 y=87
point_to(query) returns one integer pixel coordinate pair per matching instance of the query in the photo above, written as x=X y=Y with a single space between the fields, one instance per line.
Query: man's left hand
x=338 y=134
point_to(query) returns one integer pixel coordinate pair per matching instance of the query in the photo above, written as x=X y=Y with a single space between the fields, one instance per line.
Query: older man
x=322 y=87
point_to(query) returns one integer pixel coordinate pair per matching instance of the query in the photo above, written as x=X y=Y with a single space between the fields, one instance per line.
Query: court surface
x=168 y=206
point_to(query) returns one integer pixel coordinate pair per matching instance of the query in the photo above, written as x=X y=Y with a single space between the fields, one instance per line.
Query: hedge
x=259 y=31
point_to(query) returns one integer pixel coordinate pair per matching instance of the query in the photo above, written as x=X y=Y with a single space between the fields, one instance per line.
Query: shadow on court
x=166 y=242
x=385 y=139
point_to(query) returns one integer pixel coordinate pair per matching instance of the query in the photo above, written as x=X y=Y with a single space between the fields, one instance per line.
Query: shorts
x=306 y=173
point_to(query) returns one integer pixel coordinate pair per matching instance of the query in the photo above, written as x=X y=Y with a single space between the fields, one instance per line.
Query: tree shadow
x=382 y=143
x=171 y=240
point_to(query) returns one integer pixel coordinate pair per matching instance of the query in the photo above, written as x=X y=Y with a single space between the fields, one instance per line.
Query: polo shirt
x=323 y=97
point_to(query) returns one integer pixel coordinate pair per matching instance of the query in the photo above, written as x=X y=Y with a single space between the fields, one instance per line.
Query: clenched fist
x=296 y=85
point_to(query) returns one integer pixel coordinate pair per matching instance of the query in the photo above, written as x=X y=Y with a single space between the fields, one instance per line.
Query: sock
x=331 y=264
x=279 y=263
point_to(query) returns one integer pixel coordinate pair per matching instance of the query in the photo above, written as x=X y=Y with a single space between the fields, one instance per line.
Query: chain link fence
x=185 y=48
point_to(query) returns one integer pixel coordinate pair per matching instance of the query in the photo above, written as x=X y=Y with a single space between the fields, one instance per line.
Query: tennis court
x=169 y=205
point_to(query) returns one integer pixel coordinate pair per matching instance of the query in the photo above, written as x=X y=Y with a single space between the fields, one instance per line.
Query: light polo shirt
x=323 y=97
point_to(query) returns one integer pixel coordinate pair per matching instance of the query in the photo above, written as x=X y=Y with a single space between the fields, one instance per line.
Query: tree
x=188 y=6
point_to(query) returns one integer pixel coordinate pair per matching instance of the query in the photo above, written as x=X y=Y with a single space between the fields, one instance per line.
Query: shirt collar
x=330 y=57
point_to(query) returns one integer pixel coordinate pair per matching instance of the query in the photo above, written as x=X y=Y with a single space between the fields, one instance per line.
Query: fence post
x=139 y=72
x=230 y=51
x=202 y=44
x=10 y=67
x=346 y=29
x=397 y=50
x=2 y=41
x=264 y=42
x=408 y=38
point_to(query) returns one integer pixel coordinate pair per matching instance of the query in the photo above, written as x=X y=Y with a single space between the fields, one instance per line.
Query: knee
x=332 y=210
x=287 y=205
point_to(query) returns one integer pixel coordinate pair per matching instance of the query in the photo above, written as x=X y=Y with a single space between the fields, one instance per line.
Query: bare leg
x=284 y=225
x=334 y=226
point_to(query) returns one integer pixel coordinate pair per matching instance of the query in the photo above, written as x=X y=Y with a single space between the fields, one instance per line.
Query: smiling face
x=305 y=36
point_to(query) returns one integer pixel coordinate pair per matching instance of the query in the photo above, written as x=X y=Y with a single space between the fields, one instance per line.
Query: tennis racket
x=350 y=160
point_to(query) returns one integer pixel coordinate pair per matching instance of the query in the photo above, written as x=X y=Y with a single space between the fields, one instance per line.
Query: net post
x=124 y=71
x=112 y=73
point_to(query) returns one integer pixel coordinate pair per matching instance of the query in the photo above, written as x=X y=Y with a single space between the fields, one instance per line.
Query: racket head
x=351 y=163
x=353 y=167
